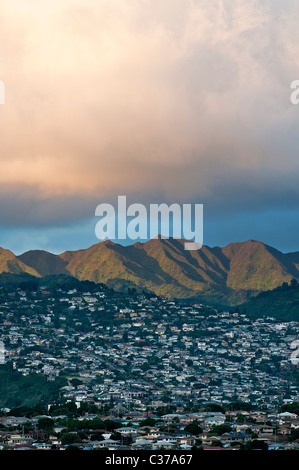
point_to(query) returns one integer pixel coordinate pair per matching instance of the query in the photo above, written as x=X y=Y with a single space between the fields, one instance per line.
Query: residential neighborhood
x=140 y=371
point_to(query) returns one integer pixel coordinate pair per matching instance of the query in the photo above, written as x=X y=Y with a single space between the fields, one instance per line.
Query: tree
x=216 y=444
x=214 y=408
x=116 y=436
x=147 y=422
x=96 y=436
x=46 y=424
x=75 y=382
x=72 y=447
x=256 y=445
x=111 y=425
x=291 y=407
x=239 y=406
x=193 y=428
x=220 y=429
x=70 y=438
x=68 y=409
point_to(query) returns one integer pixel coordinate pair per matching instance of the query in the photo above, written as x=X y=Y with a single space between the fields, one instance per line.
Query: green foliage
x=214 y=408
x=238 y=406
x=291 y=408
x=96 y=436
x=46 y=424
x=18 y=390
x=216 y=444
x=294 y=435
x=70 y=438
x=77 y=425
x=221 y=429
x=147 y=422
x=28 y=411
x=281 y=303
x=194 y=428
x=255 y=444
x=75 y=382
x=67 y=409
x=240 y=270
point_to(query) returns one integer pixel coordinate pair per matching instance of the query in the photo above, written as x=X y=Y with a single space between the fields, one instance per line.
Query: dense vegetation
x=281 y=303
x=219 y=276
x=17 y=390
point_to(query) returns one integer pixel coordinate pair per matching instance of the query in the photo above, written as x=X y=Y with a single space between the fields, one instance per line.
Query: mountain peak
x=43 y=262
x=163 y=266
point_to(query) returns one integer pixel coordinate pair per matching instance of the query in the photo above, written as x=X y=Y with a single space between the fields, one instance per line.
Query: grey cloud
x=177 y=100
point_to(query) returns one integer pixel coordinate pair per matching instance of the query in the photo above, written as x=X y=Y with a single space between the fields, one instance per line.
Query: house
x=266 y=431
x=214 y=420
x=165 y=444
x=127 y=431
x=16 y=439
x=287 y=415
x=41 y=446
x=229 y=437
x=187 y=441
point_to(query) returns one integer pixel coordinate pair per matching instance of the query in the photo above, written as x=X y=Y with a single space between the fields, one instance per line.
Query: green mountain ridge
x=281 y=303
x=43 y=262
x=9 y=263
x=229 y=275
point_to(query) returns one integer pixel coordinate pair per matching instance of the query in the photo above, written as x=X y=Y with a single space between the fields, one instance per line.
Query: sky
x=164 y=101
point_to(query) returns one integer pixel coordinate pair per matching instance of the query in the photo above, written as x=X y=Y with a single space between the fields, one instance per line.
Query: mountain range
x=229 y=275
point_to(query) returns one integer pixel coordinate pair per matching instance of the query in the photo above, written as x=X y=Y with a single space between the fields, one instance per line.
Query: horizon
x=142 y=242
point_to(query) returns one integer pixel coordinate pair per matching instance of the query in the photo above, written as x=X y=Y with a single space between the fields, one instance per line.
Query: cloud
x=172 y=100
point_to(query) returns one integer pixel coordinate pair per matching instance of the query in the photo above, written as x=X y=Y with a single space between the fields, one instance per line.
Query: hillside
x=18 y=390
x=9 y=263
x=229 y=275
x=281 y=303
x=46 y=264
x=256 y=266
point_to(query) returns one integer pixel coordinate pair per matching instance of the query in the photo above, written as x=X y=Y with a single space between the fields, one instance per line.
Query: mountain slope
x=9 y=263
x=256 y=266
x=159 y=265
x=165 y=267
x=44 y=263
x=230 y=275
x=281 y=303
